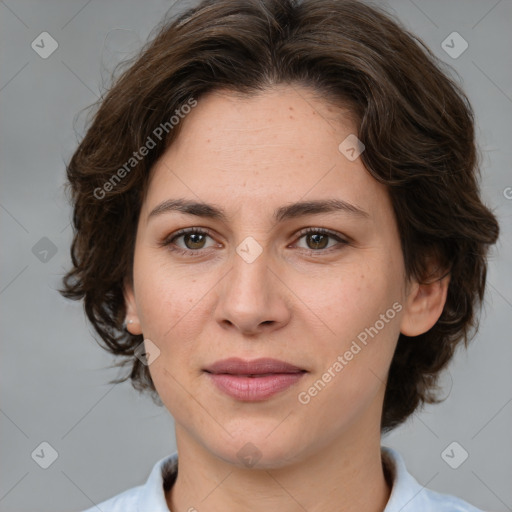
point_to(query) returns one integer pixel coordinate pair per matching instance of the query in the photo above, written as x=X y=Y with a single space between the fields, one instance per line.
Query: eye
x=317 y=239
x=193 y=239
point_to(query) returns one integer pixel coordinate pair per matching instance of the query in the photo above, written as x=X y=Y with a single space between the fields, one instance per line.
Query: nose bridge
x=250 y=295
x=249 y=276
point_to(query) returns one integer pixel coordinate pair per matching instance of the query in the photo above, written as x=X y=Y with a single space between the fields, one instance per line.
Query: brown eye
x=194 y=240
x=317 y=240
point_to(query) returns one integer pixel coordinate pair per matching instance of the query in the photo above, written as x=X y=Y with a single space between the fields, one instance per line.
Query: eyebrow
x=282 y=213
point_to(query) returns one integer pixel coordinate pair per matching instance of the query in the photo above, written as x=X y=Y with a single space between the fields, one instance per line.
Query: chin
x=257 y=450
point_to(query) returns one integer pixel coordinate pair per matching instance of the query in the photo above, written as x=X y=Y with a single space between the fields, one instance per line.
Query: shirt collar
x=405 y=488
x=162 y=477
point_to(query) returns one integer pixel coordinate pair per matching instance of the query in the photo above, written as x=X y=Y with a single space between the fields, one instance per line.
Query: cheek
x=165 y=296
x=352 y=366
x=352 y=299
x=361 y=308
x=169 y=313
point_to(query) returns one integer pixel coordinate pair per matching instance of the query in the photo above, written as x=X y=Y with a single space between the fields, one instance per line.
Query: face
x=259 y=282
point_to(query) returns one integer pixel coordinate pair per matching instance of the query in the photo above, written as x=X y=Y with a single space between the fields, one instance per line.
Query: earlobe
x=424 y=305
x=132 y=322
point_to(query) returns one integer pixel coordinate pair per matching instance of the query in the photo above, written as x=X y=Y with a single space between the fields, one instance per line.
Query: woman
x=278 y=225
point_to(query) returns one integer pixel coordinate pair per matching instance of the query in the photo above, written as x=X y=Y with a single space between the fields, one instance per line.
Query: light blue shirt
x=407 y=495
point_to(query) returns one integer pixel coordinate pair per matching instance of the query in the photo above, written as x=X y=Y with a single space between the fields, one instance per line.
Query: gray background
x=54 y=376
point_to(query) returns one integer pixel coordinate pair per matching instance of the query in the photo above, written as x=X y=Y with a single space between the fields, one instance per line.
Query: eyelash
x=169 y=241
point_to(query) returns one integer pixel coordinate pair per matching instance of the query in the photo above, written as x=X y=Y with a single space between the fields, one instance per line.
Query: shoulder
x=408 y=495
x=149 y=496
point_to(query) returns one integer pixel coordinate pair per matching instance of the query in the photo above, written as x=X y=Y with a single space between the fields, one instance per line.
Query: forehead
x=271 y=124
x=259 y=152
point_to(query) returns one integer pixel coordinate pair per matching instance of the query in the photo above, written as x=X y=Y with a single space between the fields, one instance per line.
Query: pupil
x=316 y=243
x=193 y=235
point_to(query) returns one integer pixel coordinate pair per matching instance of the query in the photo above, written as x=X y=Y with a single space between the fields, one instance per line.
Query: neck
x=344 y=476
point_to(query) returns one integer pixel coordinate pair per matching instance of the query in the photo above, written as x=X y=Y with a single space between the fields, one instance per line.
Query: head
x=249 y=107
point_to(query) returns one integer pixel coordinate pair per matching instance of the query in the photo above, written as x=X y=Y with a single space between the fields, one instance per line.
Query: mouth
x=254 y=368
x=256 y=380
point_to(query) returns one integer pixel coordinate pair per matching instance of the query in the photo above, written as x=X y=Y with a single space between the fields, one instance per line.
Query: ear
x=424 y=305
x=132 y=318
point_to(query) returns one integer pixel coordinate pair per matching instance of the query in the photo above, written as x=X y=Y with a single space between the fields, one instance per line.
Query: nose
x=253 y=299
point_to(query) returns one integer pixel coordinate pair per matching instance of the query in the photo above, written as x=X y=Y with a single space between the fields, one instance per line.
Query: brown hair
x=415 y=121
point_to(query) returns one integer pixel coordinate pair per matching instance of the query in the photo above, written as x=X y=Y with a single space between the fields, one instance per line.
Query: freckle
x=291 y=117
x=290 y=108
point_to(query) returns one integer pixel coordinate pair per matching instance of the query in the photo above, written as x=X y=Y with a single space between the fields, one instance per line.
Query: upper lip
x=237 y=366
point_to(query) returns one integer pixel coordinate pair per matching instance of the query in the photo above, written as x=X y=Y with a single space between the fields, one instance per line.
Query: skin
x=295 y=302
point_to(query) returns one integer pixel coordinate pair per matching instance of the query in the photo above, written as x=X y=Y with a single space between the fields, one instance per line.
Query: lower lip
x=252 y=389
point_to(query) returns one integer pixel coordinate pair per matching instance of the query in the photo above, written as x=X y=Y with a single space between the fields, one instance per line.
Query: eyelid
x=324 y=231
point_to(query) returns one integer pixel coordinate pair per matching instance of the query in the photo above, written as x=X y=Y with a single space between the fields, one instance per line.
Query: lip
x=237 y=366
x=254 y=380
